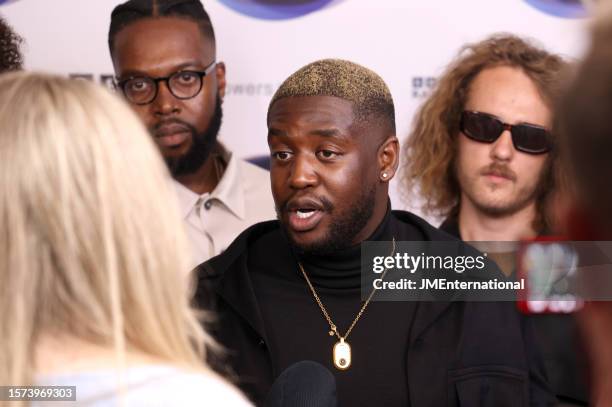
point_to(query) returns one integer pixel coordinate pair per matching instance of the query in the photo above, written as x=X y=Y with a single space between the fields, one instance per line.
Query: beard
x=344 y=226
x=203 y=144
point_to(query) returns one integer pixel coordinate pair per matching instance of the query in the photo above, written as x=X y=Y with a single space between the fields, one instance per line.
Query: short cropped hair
x=431 y=147
x=365 y=89
x=135 y=10
x=10 y=54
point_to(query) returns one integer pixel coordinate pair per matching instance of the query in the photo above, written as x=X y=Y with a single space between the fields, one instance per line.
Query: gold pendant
x=342 y=355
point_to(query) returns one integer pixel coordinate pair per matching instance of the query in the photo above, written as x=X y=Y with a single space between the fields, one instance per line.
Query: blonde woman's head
x=91 y=243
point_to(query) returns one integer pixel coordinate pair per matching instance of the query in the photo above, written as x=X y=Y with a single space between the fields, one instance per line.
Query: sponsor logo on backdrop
x=422 y=86
x=277 y=9
x=233 y=88
x=563 y=8
x=420 y=89
x=251 y=88
x=103 y=79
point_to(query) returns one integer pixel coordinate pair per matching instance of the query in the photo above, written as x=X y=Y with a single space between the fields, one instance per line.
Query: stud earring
x=385 y=175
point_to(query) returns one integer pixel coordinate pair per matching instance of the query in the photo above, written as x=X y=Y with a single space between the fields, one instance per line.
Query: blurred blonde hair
x=91 y=242
x=430 y=152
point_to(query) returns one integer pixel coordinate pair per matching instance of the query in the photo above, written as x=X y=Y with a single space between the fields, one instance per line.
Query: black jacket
x=558 y=338
x=459 y=353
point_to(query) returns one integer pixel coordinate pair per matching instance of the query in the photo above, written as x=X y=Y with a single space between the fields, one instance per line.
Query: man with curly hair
x=480 y=151
x=482 y=156
x=10 y=54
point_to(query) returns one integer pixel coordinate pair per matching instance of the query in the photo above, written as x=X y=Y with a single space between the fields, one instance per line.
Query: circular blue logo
x=561 y=8
x=277 y=9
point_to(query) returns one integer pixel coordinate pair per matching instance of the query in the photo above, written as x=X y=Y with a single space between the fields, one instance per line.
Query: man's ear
x=388 y=158
x=221 y=82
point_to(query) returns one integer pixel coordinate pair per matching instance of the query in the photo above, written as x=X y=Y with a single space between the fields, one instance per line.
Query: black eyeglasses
x=487 y=128
x=142 y=90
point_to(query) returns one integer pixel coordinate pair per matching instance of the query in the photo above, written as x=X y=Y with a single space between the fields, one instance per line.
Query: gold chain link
x=324 y=311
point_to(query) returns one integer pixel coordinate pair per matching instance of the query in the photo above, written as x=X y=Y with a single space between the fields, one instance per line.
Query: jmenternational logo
x=277 y=9
x=563 y=8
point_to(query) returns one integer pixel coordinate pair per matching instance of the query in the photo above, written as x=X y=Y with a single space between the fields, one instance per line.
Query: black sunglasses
x=487 y=128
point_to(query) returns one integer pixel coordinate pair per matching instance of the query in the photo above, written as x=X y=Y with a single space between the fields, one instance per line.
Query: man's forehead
x=312 y=108
x=322 y=116
x=509 y=93
x=158 y=40
x=505 y=81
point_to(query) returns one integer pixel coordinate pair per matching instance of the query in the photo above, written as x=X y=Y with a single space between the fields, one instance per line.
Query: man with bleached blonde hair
x=291 y=290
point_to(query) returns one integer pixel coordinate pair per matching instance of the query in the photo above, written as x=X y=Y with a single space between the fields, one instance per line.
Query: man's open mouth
x=304 y=214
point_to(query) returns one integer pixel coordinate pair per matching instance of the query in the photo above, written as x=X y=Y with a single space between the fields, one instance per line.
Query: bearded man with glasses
x=481 y=155
x=164 y=55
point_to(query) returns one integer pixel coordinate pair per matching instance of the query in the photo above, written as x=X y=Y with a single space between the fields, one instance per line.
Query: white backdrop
x=408 y=42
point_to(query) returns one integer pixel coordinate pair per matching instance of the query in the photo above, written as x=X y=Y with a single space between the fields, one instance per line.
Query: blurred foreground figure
x=89 y=290
x=587 y=133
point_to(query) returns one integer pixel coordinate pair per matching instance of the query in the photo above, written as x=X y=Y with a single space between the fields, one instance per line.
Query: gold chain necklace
x=342 y=350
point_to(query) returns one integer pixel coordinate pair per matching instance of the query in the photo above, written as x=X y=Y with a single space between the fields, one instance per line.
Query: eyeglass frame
x=120 y=84
x=507 y=127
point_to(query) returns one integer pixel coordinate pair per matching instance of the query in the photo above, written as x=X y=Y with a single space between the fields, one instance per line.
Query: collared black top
x=418 y=354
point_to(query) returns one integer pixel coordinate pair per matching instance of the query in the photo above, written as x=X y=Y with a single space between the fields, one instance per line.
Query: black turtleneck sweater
x=297 y=330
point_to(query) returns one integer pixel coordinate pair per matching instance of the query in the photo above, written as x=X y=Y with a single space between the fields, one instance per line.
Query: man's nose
x=303 y=172
x=165 y=103
x=503 y=149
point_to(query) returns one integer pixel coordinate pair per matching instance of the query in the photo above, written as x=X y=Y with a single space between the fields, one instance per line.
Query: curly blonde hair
x=431 y=149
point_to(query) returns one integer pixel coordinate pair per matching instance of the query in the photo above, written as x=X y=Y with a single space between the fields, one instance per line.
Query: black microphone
x=303 y=384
